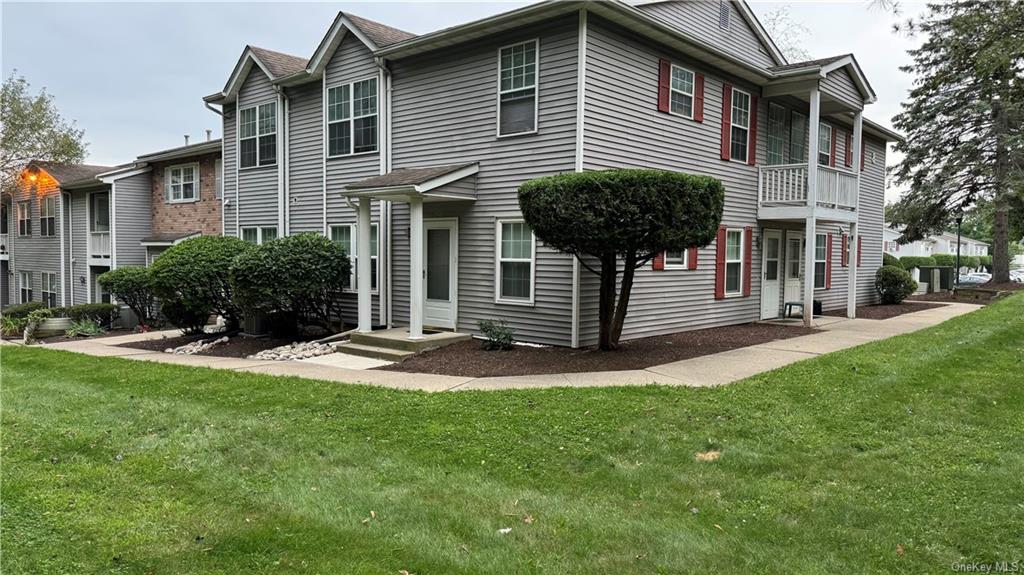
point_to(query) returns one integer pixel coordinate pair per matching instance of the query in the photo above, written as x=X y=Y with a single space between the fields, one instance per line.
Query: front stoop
x=395 y=345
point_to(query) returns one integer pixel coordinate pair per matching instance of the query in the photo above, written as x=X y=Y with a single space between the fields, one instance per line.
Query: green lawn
x=905 y=455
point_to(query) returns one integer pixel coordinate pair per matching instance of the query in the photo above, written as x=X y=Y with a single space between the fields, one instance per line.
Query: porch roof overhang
x=426 y=183
x=165 y=240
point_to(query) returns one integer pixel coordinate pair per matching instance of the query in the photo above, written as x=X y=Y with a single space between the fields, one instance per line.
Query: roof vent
x=723 y=14
x=186 y=139
x=209 y=134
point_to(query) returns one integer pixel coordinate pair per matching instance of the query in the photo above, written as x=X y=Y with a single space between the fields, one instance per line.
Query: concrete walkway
x=708 y=370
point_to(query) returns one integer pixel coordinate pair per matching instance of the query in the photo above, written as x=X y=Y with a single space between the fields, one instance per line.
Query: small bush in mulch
x=884 y=311
x=468 y=359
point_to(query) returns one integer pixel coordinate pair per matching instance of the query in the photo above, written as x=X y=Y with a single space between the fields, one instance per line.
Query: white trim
x=282 y=163
x=814 y=267
x=498 y=260
x=451 y=224
x=422 y=188
x=733 y=124
x=21 y=286
x=113 y=225
x=581 y=99
x=693 y=93
x=351 y=120
x=678 y=266
x=535 y=86
x=828 y=148
x=353 y=255
x=323 y=149
x=241 y=72
x=259 y=232
x=42 y=286
x=238 y=134
x=328 y=45
x=42 y=203
x=113 y=176
x=727 y=261
x=168 y=191
x=18 y=219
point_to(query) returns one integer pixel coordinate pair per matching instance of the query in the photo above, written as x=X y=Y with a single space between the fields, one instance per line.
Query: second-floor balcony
x=784 y=192
x=99 y=245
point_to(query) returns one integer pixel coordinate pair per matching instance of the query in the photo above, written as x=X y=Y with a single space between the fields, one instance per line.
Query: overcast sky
x=133 y=74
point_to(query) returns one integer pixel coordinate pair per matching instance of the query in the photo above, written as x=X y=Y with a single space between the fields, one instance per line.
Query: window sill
x=676 y=267
x=172 y=202
x=678 y=115
x=257 y=168
x=515 y=302
x=517 y=134
x=339 y=156
x=356 y=292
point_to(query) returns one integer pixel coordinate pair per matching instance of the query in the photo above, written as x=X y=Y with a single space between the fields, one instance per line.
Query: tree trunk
x=1000 y=228
x=623 y=303
x=606 y=306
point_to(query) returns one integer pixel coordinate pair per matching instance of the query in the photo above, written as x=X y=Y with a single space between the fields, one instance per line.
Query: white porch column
x=851 y=296
x=858 y=139
x=809 y=272
x=363 y=270
x=812 y=203
x=415 y=268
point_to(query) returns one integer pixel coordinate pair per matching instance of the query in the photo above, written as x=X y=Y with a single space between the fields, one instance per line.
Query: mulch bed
x=237 y=346
x=884 y=311
x=976 y=294
x=467 y=359
x=63 y=338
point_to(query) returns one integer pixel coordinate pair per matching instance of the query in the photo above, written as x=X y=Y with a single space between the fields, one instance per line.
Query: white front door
x=440 y=272
x=772 y=258
x=794 y=249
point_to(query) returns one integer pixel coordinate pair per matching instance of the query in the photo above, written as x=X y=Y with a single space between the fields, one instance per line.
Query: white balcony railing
x=99 y=245
x=5 y=247
x=786 y=185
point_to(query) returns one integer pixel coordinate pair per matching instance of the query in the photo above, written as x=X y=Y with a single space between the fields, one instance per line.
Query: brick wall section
x=199 y=216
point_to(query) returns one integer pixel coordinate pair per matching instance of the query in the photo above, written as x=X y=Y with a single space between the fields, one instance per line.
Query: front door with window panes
x=440 y=270
x=794 y=248
x=771 y=268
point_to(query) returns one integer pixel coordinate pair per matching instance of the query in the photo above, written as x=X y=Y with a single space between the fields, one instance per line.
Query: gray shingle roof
x=380 y=34
x=808 y=63
x=68 y=173
x=407 y=177
x=279 y=64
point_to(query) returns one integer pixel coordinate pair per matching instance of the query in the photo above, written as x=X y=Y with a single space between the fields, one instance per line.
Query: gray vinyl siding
x=79 y=248
x=259 y=196
x=34 y=253
x=700 y=19
x=305 y=159
x=445 y=111
x=133 y=209
x=838 y=85
x=229 y=147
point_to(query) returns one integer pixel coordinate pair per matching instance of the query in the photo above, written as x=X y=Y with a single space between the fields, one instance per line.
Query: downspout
x=385 y=208
x=323 y=148
x=282 y=163
x=63 y=271
x=71 y=245
x=223 y=196
x=113 y=225
x=581 y=92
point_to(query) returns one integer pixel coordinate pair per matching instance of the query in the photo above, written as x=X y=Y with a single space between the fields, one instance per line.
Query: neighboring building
x=68 y=223
x=408 y=151
x=944 y=243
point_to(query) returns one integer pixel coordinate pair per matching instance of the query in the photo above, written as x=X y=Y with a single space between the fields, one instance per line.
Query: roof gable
x=69 y=173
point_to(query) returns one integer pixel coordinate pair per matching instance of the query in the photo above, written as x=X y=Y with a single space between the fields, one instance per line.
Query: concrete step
x=374 y=351
x=398 y=339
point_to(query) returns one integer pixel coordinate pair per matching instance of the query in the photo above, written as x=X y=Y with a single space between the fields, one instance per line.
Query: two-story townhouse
x=72 y=222
x=409 y=149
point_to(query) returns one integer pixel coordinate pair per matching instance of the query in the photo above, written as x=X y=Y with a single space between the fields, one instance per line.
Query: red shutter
x=828 y=262
x=698 y=98
x=748 y=257
x=752 y=140
x=832 y=154
x=862 y=150
x=664 y=82
x=726 y=119
x=659 y=261
x=691 y=258
x=844 y=256
x=859 y=244
x=720 y=264
x=849 y=150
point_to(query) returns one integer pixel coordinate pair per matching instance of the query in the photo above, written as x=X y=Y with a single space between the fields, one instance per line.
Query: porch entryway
x=441 y=272
x=771 y=267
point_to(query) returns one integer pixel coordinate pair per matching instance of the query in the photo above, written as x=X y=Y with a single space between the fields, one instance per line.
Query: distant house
x=944 y=243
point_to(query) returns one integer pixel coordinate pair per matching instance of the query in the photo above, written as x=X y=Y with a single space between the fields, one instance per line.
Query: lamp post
x=959 y=220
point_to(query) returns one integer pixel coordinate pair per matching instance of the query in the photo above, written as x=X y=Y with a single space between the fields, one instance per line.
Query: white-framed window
x=824 y=144
x=517 y=88
x=820 y=259
x=48 y=216
x=740 y=124
x=257 y=135
x=259 y=234
x=733 y=262
x=99 y=212
x=776 y=152
x=25 y=286
x=347 y=236
x=218 y=170
x=182 y=183
x=677 y=260
x=24 y=216
x=352 y=118
x=681 y=92
x=48 y=288
x=797 y=137
x=515 y=254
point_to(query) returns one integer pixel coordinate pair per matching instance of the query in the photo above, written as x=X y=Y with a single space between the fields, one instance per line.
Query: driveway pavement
x=708 y=370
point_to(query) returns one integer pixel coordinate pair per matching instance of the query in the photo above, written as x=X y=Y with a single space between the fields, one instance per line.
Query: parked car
x=1017 y=276
x=975 y=278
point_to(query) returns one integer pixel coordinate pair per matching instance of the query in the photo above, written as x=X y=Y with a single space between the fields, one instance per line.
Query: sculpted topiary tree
x=621 y=219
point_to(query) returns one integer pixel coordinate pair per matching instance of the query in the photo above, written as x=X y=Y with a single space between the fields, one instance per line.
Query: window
x=352 y=118
x=740 y=122
x=257 y=135
x=733 y=261
x=183 y=183
x=514 y=268
x=99 y=213
x=517 y=89
x=24 y=218
x=776 y=134
x=218 y=168
x=797 y=137
x=49 y=288
x=259 y=235
x=347 y=236
x=48 y=216
x=25 y=285
x=676 y=260
x=681 y=92
x=820 y=257
x=824 y=144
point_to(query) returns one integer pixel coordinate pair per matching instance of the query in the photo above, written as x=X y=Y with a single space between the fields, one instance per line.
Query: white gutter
x=385 y=205
x=581 y=93
x=63 y=270
x=323 y=150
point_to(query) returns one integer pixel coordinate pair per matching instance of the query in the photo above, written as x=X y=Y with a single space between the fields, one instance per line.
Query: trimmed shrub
x=298 y=277
x=911 y=262
x=985 y=262
x=190 y=320
x=894 y=284
x=944 y=260
x=99 y=313
x=21 y=310
x=132 y=286
x=193 y=277
x=499 y=335
x=890 y=260
x=972 y=262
